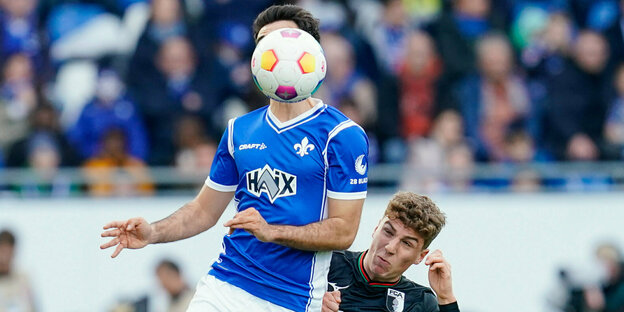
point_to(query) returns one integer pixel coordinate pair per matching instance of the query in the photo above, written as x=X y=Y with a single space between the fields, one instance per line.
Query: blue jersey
x=286 y=170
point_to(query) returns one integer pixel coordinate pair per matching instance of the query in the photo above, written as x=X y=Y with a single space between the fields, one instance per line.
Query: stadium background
x=509 y=113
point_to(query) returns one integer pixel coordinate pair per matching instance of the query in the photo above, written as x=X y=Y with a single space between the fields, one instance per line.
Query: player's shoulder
x=410 y=286
x=345 y=255
x=250 y=116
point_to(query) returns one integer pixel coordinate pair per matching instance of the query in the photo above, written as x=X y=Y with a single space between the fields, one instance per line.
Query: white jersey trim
x=341 y=126
x=231 y=137
x=348 y=196
x=280 y=127
x=220 y=187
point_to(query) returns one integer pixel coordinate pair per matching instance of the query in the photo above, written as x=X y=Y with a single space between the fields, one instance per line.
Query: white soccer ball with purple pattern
x=288 y=65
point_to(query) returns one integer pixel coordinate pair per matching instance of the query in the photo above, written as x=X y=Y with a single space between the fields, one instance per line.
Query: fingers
x=119 y=248
x=435 y=257
x=111 y=233
x=114 y=224
x=112 y=242
x=336 y=295
x=437 y=266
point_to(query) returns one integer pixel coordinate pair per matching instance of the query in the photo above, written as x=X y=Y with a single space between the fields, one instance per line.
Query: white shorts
x=213 y=294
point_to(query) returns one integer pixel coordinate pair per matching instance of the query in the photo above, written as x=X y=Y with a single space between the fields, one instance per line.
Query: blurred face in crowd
x=165 y=12
x=339 y=55
x=170 y=279
x=495 y=59
x=558 y=32
x=591 y=52
x=394 y=249
x=6 y=257
x=448 y=128
x=420 y=51
x=176 y=58
x=19 y=8
x=18 y=69
x=395 y=13
x=474 y=8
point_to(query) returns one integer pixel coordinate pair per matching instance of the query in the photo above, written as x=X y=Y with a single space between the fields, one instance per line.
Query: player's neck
x=287 y=111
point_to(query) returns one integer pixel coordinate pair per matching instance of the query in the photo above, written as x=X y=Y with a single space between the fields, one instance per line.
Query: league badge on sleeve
x=395 y=300
x=360 y=165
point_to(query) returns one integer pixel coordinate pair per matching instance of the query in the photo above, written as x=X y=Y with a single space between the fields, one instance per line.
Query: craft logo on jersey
x=274 y=182
x=303 y=148
x=395 y=300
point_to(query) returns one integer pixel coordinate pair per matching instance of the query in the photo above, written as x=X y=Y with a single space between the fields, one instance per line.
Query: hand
x=331 y=301
x=440 y=277
x=133 y=233
x=251 y=221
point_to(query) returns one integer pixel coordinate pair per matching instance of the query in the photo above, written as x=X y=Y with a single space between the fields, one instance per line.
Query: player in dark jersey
x=373 y=280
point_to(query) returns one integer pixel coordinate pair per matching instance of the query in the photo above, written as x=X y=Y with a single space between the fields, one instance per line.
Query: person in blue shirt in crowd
x=110 y=108
x=298 y=175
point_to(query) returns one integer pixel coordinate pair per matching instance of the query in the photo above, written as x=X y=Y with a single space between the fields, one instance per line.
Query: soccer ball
x=288 y=65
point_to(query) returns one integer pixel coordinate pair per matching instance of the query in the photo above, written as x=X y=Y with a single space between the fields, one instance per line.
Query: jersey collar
x=368 y=279
x=308 y=115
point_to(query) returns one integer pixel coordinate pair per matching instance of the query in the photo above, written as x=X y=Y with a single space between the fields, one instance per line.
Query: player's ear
x=422 y=256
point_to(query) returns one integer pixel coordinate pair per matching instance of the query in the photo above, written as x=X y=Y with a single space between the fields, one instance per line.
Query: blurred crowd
x=119 y=86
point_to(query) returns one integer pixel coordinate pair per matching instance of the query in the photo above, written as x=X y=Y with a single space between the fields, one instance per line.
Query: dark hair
x=288 y=12
x=418 y=213
x=169 y=265
x=7 y=237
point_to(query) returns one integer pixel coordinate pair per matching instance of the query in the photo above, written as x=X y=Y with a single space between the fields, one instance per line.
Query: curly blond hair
x=418 y=213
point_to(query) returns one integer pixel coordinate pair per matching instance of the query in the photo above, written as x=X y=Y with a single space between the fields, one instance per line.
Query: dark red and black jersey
x=359 y=293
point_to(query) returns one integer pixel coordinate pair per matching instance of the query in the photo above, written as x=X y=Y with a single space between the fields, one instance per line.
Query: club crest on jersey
x=274 y=182
x=395 y=300
x=360 y=165
x=304 y=147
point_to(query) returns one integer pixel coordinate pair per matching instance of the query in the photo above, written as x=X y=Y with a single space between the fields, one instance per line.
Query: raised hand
x=440 y=277
x=331 y=301
x=133 y=234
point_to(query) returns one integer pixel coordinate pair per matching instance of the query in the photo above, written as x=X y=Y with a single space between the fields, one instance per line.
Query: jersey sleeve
x=223 y=173
x=347 y=160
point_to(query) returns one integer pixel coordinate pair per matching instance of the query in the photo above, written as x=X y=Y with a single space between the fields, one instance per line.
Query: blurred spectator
x=18 y=97
x=180 y=88
x=43 y=152
x=44 y=127
x=195 y=150
x=578 y=102
x=114 y=172
x=18 y=30
x=614 y=126
x=610 y=296
x=441 y=161
x=173 y=282
x=343 y=81
x=166 y=22
x=456 y=33
x=16 y=292
x=545 y=54
x=388 y=37
x=494 y=101
x=418 y=76
x=111 y=108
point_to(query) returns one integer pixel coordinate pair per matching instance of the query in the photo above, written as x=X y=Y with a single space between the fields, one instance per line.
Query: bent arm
x=337 y=232
x=195 y=217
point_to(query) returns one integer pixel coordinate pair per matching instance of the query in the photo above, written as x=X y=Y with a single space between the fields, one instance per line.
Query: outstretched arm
x=191 y=219
x=337 y=232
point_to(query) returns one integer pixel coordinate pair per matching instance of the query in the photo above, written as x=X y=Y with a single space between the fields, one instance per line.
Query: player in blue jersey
x=298 y=175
